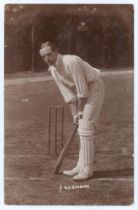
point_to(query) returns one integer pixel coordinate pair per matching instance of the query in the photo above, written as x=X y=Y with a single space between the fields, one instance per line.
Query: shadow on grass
x=109 y=174
x=113 y=174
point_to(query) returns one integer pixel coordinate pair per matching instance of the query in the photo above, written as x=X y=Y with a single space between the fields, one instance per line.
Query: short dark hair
x=50 y=44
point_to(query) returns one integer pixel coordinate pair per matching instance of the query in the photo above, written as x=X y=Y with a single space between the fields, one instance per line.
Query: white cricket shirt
x=73 y=76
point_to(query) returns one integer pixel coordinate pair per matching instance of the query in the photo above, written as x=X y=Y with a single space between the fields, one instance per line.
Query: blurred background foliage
x=100 y=34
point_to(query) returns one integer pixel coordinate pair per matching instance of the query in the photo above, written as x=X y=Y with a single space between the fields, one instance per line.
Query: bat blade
x=64 y=150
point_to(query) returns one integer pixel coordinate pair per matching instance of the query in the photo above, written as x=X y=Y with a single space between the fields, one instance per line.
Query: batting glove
x=76 y=119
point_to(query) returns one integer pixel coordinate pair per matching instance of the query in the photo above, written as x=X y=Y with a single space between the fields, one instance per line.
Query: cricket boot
x=86 y=132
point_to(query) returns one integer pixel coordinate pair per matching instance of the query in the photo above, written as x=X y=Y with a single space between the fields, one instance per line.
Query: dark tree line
x=100 y=34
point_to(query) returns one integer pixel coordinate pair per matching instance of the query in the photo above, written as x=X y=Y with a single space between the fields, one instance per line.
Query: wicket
x=53 y=132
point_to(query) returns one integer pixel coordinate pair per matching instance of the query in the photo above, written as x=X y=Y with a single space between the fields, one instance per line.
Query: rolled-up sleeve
x=76 y=70
x=66 y=92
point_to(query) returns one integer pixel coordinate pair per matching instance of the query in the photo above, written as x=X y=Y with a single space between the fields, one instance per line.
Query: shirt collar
x=58 y=62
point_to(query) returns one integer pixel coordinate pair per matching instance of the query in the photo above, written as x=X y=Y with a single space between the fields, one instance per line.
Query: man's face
x=49 y=56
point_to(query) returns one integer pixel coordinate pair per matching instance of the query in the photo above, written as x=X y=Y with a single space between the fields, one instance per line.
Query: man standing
x=83 y=89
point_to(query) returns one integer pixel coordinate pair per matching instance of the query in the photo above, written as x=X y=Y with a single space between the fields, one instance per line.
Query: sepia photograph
x=68 y=104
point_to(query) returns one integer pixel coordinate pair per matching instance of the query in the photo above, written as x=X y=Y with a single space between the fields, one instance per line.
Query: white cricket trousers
x=95 y=101
x=86 y=130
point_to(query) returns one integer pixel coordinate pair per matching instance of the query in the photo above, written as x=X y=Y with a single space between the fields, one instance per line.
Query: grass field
x=29 y=177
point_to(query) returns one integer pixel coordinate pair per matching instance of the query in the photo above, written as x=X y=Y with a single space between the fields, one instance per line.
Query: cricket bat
x=65 y=149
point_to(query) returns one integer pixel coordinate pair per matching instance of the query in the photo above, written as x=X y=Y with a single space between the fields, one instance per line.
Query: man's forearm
x=74 y=108
x=77 y=106
x=81 y=104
